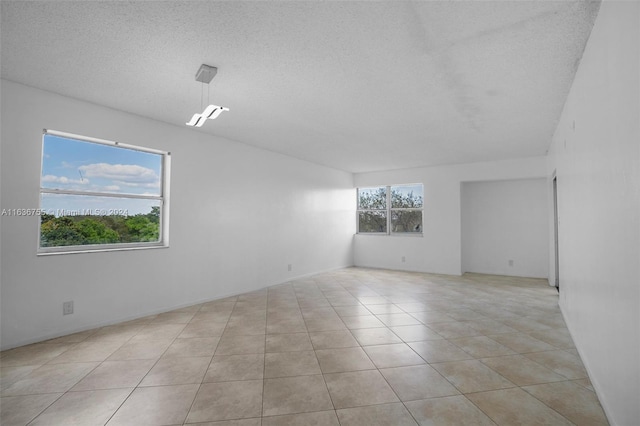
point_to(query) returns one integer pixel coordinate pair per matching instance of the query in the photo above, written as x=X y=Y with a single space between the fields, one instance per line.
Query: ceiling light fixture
x=204 y=75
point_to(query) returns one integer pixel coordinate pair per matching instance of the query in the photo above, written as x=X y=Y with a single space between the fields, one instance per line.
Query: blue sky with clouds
x=70 y=164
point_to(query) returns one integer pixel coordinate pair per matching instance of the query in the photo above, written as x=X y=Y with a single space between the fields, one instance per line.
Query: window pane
x=72 y=220
x=372 y=198
x=72 y=164
x=372 y=221
x=406 y=221
x=406 y=196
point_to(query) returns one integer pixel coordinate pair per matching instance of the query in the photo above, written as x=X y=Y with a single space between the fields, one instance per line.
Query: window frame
x=389 y=211
x=162 y=198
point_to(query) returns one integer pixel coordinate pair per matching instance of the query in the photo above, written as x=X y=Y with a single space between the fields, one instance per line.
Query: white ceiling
x=359 y=86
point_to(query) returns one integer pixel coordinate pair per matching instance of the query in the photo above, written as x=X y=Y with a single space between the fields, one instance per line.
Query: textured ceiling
x=359 y=86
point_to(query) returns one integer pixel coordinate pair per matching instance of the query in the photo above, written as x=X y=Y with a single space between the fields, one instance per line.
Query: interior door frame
x=554 y=185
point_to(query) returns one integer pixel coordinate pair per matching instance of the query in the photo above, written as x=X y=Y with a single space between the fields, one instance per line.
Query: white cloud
x=129 y=174
x=64 y=180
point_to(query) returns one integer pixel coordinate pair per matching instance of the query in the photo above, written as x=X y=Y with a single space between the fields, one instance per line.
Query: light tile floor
x=351 y=347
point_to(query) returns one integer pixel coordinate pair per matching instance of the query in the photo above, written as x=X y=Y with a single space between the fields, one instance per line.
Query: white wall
x=503 y=221
x=440 y=249
x=239 y=216
x=596 y=156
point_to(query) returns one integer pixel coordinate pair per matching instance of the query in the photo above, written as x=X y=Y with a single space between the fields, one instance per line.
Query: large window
x=101 y=195
x=390 y=209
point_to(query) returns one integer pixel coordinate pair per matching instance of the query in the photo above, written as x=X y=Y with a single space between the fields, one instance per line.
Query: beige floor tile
x=523 y=324
x=439 y=351
x=86 y=408
x=173 y=318
x=246 y=328
x=395 y=355
x=453 y=330
x=362 y=321
x=560 y=338
x=472 y=376
x=228 y=368
x=373 y=300
x=415 y=333
x=585 y=383
x=324 y=324
x=396 y=320
x=521 y=370
x=490 y=326
x=159 y=405
x=211 y=316
x=332 y=339
x=350 y=311
x=561 y=362
x=375 y=336
x=50 y=378
x=515 y=406
x=573 y=352
x=481 y=346
x=573 y=401
x=288 y=342
x=359 y=388
x=241 y=422
x=115 y=374
x=177 y=371
x=376 y=415
x=319 y=313
x=465 y=315
x=285 y=364
x=203 y=329
x=450 y=410
x=192 y=347
x=87 y=352
x=522 y=343
x=343 y=301
x=75 y=337
x=158 y=332
x=118 y=333
x=36 y=354
x=20 y=410
x=469 y=328
x=221 y=306
x=147 y=349
x=343 y=359
x=413 y=307
x=292 y=325
x=319 y=418
x=385 y=309
x=236 y=345
x=289 y=395
x=430 y=317
x=10 y=375
x=418 y=382
x=227 y=400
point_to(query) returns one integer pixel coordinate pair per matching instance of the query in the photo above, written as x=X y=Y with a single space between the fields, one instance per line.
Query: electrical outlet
x=510 y=262
x=67 y=308
x=289 y=268
x=403 y=259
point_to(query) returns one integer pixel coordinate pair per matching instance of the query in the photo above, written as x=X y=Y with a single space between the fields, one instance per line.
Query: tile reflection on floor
x=350 y=347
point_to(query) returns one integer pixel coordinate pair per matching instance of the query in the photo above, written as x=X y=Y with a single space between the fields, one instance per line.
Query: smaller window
x=390 y=209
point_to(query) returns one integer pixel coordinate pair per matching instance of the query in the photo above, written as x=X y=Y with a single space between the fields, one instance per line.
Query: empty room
x=348 y=213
